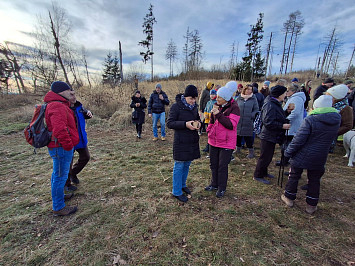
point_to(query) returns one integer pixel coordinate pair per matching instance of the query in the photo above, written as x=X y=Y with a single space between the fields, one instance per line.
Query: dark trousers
x=249 y=140
x=219 y=160
x=267 y=150
x=313 y=176
x=284 y=146
x=84 y=157
x=139 y=128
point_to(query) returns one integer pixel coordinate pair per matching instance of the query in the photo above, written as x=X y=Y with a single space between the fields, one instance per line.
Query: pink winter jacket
x=222 y=130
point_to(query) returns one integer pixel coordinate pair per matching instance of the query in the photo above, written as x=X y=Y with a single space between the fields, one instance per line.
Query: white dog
x=349 y=145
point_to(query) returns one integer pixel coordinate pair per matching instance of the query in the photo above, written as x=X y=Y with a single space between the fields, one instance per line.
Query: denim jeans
x=180 y=172
x=61 y=165
x=160 y=117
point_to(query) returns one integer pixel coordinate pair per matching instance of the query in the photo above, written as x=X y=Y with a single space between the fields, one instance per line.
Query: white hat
x=338 y=91
x=225 y=93
x=323 y=101
x=232 y=85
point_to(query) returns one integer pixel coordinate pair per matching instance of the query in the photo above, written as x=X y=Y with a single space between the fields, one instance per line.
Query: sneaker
x=75 y=179
x=186 y=190
x=182 y=198
x=310 y=209
x=68 y=196
x=67 y=210
x=70 y=188
x=163 y=138
x=207 y=156
x=287 y=201
x=304 y=187
x=262 y=180
x=220 y=193
x=155 y=138
x=270 y=176
x=232 y=159
x=210 y=188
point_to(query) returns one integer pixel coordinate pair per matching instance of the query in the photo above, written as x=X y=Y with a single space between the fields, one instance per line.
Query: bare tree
x=351 y=59
x=83 y=56
x=185 y=51
x=171 y=55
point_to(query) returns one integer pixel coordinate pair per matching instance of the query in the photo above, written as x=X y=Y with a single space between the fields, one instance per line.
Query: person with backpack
x=81 y=148
x=60 y=121
x=139 y=103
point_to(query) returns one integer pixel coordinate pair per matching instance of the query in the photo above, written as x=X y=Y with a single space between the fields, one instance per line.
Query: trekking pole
x=282 y=162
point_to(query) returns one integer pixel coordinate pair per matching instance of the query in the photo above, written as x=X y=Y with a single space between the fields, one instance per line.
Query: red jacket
x=60 y=121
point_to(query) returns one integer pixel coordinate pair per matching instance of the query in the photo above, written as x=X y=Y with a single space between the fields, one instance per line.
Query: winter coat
x=204 y=98
x=186 y=142
x=308 y=98
x=60 y=121
x=319 y=92
x=81 y=114
x=259 y=97
x=139 y=110
x=273 y=117
x=296 y=116
x=207 y=111
x=309 y=147
x=222 y=130
x=156 y=105
x=248 y=109
x=347 y=118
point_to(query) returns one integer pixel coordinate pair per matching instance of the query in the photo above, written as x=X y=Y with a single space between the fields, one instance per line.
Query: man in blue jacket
x=82 y=149
x=309 y=150
x=156 y=108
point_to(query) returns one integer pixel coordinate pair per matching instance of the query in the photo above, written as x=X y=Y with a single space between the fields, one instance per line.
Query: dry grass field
x=126 y=214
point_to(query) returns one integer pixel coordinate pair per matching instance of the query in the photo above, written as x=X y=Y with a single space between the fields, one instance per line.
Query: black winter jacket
x=309 y=147
x=319 y=92
x=139 y=110
x=156 y=105
x=273 y=117
x=260 y=97
x=186 y=142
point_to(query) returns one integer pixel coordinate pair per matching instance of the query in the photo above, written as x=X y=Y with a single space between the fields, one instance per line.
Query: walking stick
x=282 y=162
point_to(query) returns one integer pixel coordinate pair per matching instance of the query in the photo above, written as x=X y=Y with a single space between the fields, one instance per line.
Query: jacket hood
x=332 y=119
x=52 y=96
x=299 y=94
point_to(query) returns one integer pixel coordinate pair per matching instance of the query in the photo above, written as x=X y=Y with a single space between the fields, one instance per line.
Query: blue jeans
x=180 y=172
x=61 y=165
x=160 y=117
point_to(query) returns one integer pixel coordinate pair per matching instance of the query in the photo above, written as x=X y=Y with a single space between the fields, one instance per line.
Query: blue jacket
x=81 y=114
x=309 y=147
x=156 y=105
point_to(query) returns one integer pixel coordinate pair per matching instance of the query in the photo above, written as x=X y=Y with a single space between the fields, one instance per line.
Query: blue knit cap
x=266 y=82
x=59 y=86
x=213 y=92
x=225 y=93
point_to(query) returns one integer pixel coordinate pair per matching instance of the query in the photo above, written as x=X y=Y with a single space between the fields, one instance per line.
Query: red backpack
x=36 y=133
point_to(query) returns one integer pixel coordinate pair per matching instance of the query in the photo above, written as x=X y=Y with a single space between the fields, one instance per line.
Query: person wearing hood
x=309 y=150
x=139 y=103
x=258 y=95
x=265 y=90
x=222 y=137
x=156 y=109
x=60 y=121
x=185 y=120
x=273 y=128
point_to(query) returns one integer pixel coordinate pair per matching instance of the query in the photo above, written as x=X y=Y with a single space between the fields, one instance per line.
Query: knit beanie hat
x=209 y=85
x=232 y=85
x=158 y=86
x=240 y=86
x=348 y=82
x=277 y=91
x=59 y=86
x=225 y=93
x=255 y=85
x=323 y=101
x=328 y=80
x=191 y=91
x=338 y=91
x=294 y=80
x=213 y=92
x=267 y=83
x=137 y=91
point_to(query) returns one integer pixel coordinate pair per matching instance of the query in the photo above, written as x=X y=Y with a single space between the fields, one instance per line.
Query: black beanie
x=191 y=91
x=59 y=86
x=277 y=91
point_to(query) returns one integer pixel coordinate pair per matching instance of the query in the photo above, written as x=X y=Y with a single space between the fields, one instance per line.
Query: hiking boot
x=210 y=188
x=220 y=193
x=304 y=187
x=67 y=210
x=70 y=188
x=262 y=180
x=239 y=150
x=287 y=201
x=75 y=179
x=269 y=176
x=251 y=154
x=155 y=138
x=182 y=198
x=68 y=196
x=163 y=138
x=310 y=209
x=232 y=159
x=186 y=190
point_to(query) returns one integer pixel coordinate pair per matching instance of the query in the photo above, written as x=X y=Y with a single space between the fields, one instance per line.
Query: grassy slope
x=126 y=210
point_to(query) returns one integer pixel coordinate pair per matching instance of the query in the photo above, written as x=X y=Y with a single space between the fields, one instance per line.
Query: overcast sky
x=100 y=24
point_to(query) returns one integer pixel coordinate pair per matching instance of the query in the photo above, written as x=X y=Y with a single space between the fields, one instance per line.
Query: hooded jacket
x=309 y=147
x=186 y=142
x=296 y=116
x=156 y=105
x=81 y=114
x=61 y=122
x=248 y=109
x=222 y=130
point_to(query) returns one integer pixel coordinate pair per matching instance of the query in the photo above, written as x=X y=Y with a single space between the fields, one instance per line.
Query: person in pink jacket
x=222 y=137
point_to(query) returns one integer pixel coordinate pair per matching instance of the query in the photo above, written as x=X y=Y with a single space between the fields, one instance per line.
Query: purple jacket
x=222 y=130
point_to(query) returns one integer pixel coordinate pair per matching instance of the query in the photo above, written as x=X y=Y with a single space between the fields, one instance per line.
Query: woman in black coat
x=184 y=119
x=139 y=103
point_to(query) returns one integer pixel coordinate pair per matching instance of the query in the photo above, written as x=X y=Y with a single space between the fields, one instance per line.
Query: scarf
x=341 y=105
x=246 y=97
x=186 y=104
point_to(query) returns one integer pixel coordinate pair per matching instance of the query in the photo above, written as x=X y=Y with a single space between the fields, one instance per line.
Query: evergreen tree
x=111 y=71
